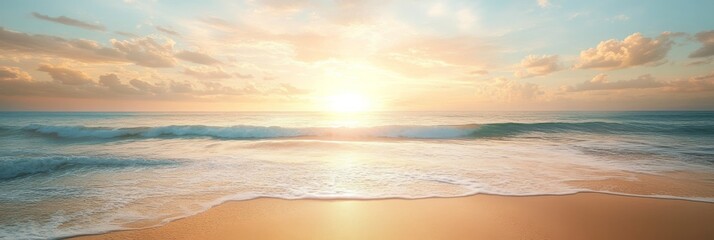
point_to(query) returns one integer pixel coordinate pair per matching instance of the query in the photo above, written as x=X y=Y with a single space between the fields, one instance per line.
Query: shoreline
x=305 y=216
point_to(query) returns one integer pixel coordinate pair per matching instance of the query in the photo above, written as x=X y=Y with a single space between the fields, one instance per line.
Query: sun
x=348 y=103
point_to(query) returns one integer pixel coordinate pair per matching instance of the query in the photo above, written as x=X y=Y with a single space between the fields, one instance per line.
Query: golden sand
x=578 y=216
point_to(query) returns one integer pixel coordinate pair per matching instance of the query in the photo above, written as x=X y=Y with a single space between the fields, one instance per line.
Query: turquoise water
x=63 y=174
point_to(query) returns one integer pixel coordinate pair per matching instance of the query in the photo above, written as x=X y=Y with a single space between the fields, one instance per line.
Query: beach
x=519 y=175
x=368 y=120
x=576 y=216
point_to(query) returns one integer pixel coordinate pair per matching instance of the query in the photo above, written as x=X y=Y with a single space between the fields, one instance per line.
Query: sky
x=370 y=55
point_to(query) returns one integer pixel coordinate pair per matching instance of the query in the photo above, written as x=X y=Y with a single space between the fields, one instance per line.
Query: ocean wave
x=15 y=167
x=491 y=130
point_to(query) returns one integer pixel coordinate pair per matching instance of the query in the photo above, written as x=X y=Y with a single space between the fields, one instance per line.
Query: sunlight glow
x=348 y=103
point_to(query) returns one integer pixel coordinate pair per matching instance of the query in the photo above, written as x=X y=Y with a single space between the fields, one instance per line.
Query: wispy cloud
x=707 y=40
x=703 y=83
x=126 y=34
x=534 y=65
x=168 y=31
x=207 y=73
x=77 y=84
x=40 y=44
x=147 y=51
x=602 y=82
x=71 y=22
x=507 y=90
x=197 y=57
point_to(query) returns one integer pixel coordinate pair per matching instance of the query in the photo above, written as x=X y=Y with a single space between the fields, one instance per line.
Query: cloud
x=280 y=5
x=65 y=75
x=70 y=83
x=634 y=50
x=376 y=43
x=126 y=34
x=707 y=49
x=216 y=88
x=544 y=3
x=686 y=85
x=148 y=87
x=13 y=74
x=311 y=47
x=78 y=49
x=288 y=90
x=168 y=31
x=71 y=22
x=534 y=65
x=507 y=90
x=692 y=84
x=421 y=56
x=601 y=82
x=306 y=46
x=348 y=12
x=700 y=62
x=478 y=72
x=147 y=51
x=66 y=84
x=203 y=73
x=244 y=76
x=112 y=82
x=196 y=57
x=218 y=23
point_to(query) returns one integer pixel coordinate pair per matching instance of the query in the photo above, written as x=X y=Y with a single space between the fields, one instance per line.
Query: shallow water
x=64 y=174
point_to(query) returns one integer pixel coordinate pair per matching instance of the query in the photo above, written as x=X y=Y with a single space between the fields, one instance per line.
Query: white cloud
x=632 y=51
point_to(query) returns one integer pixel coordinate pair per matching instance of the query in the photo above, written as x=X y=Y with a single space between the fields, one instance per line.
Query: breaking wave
x=491 y=130
x=23 y=166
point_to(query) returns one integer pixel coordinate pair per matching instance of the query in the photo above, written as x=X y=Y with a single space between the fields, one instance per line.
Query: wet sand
x=577 y=216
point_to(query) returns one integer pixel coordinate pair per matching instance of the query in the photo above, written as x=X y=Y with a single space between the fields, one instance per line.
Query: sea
x=71 y=173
